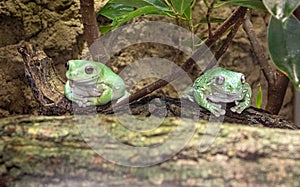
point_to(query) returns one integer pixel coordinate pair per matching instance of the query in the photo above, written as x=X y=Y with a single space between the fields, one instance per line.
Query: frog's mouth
x=83 y=82
x=219 y=95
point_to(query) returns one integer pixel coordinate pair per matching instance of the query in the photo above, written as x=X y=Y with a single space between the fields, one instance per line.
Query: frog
x=91 y=83
x=220 y=85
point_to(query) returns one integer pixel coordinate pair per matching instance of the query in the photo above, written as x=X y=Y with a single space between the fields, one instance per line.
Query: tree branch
x=297 y=13
x=91 y=31
x=209 y=9
x=258 y=51
x=277 y=81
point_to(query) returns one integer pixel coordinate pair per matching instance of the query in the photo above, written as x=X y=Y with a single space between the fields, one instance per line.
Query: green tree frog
x=219 y=85
x=92 y=83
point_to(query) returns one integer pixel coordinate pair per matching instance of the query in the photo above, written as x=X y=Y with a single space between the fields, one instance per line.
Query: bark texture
x=51 y=151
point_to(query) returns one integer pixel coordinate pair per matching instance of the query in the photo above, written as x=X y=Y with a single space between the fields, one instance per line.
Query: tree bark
x=277 y=81
x=90 y=26
x=45 y=150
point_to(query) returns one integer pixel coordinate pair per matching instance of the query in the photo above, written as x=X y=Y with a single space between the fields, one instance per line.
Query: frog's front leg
x=71 y=94
x=104 y=98
x=245 y=103
x=215 y=109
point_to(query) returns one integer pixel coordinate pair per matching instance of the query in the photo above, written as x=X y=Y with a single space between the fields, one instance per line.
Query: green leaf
x=181 y=5
x=105 y=29
x=254 y=4
x=187 y=13
x=112 y=11
x=281 y=9
x=259 y=97
x=141 y=11
x=284 y=47
x=157 y=4
x=117 y=8
x=131 y=3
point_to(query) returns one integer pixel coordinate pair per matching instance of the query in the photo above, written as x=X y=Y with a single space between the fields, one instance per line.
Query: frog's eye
x=243 y=79
x=89 y=69
x=67 y=65
x=220 y=80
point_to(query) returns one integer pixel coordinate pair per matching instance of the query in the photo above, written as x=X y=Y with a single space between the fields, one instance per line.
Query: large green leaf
x=181 y=5
x=112 y=11
x=131 y=3
x=117 y=8
x=281 y=9
x=140 y=3
x=255 y=4
x=138 y=12
x=157 y=4
x=284 y=47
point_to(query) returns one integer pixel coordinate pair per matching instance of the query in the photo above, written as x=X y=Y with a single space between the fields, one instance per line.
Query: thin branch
x=208 y=19
x=258 y=51
x=297 y=13
x=226 y=44
x=90 y=26
x=277 y=81
x=229 y=39
x=239 y=13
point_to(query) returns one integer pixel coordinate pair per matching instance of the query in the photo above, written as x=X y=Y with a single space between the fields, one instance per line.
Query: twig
x=297 y=13
x=229 y=39
x=258 y=51
x=239 y=13
x=90 y=25
x=208 y=19
x=225 y=45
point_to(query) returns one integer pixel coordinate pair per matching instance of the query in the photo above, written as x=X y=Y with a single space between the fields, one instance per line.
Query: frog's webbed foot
x=82 y=102
x=188 y=94
x=216 y=109
x=239 y=107
x=189 y=97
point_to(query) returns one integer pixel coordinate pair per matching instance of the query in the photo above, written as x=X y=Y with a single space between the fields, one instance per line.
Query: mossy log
x=40 y=150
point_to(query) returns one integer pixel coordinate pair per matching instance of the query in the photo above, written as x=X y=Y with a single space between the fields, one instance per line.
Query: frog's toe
x=188 y=97
x=233 y=109
x=79 y=103
x=218 y=113
x=82 y=102
x=240 y=110
x=222 y=112
x=237 y=109
x=217 y=110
